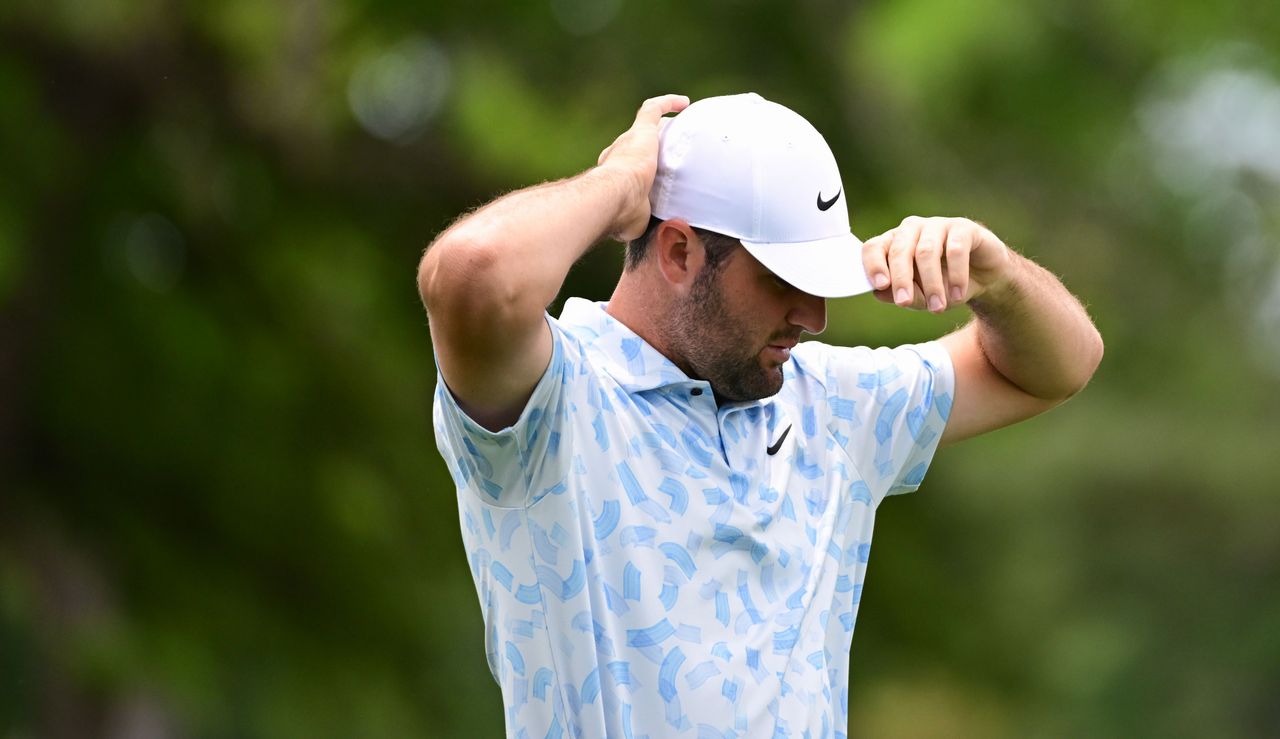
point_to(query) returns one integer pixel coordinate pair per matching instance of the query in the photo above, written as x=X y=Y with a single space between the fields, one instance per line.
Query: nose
x=809 y=312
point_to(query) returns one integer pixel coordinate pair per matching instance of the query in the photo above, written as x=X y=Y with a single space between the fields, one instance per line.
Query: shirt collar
x=629 y=359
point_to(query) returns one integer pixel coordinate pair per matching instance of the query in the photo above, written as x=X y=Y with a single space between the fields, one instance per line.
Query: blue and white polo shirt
x=646 y=568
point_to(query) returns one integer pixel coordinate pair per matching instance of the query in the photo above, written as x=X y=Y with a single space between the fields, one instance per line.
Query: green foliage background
x=221 y=510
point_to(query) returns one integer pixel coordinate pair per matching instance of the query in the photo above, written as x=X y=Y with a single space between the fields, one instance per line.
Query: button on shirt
x=646 y=566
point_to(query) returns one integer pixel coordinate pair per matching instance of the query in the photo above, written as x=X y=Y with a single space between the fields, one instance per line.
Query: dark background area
x=221 y=509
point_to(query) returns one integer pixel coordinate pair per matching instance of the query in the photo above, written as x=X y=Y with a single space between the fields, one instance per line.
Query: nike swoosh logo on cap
x=826 y=204
x=777 y=444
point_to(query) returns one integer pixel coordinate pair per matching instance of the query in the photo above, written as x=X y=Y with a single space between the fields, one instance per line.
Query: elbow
x=462 y=278
x=1087 y=361
x=1096 y=349
x=438 y=269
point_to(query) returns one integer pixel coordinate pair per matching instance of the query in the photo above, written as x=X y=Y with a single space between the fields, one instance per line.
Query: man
x=666 y=501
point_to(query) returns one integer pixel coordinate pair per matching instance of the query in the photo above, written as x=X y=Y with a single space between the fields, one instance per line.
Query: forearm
x=1035 y=333
x=516 y=251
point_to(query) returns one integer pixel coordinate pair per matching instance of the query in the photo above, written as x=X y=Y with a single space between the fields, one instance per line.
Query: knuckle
x=912 y=221
x=927 y=250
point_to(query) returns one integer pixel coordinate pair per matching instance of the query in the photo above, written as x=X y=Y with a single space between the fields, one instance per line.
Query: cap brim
x=828 y=268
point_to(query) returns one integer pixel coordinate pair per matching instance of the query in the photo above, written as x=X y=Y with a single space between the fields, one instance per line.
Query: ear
x=680 y=253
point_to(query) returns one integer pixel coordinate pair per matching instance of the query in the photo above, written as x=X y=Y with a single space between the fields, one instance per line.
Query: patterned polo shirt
x=646 y=567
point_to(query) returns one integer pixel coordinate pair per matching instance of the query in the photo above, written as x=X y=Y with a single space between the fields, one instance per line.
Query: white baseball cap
x=749 y=168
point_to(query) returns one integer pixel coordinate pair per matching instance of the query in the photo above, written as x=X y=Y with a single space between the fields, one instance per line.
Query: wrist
x=1003 y=289
x=628 y=199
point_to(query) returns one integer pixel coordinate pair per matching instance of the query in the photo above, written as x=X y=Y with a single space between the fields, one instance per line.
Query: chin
x=775 y=377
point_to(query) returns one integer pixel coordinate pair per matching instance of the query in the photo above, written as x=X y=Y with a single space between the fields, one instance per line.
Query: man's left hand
x=933 y=263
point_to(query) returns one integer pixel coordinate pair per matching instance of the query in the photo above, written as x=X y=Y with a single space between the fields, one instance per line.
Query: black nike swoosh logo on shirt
x=777 y=444
x=826 y=204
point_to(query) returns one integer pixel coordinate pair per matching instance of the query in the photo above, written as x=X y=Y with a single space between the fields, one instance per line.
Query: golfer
x=667 y=502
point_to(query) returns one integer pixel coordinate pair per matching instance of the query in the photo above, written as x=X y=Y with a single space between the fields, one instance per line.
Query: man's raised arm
x=487 y=280
x=1031 y=345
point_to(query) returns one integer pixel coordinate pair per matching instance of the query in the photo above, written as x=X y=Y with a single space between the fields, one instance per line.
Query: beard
x=718 y=346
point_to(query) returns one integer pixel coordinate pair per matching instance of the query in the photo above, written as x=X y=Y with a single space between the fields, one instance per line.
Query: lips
x=780 y=351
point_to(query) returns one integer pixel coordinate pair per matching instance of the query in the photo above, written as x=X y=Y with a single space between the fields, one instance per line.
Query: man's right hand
x=635 y=152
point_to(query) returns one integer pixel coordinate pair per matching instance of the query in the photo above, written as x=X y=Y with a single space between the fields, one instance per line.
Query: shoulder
x=814 y=362
x=871 y=377
x=824 y=361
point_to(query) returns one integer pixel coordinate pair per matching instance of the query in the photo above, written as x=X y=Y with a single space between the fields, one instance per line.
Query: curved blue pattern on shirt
x=541 y=681
x=565 y=588
x=668 y=595
x=679 y=496
x=667 y=674
x=542 y=544
x=650 y=636
x=591 y=687
x=694 y=445
x=630 y=582
x=630 y=484
x=701 y=673
x=515 y=658
x=501 y=574
x=680 y=556
x=729 y=689
x=510 y=523
x=745 y=595
x=942 y=402
x=605 y=523
x=637 y=536
x=784 y=640
x=602 y=435
x=889 y=414
x=620 y=672
x=614 y=600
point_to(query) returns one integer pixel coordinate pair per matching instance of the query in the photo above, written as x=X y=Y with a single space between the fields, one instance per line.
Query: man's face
x=737 y=326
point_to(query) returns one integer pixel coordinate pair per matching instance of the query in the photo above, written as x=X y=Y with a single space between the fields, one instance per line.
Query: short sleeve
x=888 y=409
x=502 y=467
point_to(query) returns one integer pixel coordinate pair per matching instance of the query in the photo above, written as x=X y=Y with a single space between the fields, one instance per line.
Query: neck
x=638 y=304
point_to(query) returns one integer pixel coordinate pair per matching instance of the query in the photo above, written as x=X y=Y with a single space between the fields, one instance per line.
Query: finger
x=652 y=110
x=917 y=300
x=928 y=257
x=959 y=244
x=874 y=260
x=901 y=260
